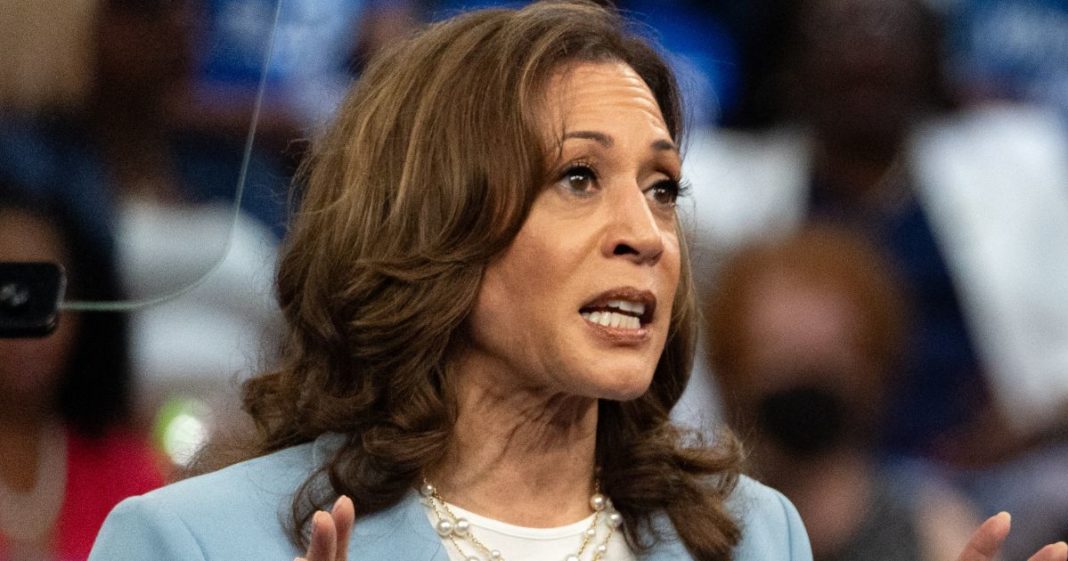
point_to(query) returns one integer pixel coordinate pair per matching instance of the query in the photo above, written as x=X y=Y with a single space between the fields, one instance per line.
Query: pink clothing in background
x=100 y=473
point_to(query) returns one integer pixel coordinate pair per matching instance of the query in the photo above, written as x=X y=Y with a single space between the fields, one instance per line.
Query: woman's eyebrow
x=607 y=141
x=665 y=145
x=598 y=137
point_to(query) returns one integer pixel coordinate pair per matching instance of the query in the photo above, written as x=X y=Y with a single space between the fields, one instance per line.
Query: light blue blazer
x=238 y=513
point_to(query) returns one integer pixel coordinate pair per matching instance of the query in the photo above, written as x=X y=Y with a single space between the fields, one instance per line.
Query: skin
x=779 y=347
x=534 y=369
x=533 y=372
x=30 y=369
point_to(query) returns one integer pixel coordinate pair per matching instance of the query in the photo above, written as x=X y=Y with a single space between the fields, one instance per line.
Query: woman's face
x=30 y=369
x=580 y=303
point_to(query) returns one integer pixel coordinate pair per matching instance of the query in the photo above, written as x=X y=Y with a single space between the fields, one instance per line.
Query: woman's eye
x=665 y=192
x=579 y=178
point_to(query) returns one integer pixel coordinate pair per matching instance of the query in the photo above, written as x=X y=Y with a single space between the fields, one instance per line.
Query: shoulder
x=255 y=482
x=771 y=527
x=213 y=516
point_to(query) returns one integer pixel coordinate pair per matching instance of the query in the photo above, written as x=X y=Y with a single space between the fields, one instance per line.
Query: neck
x=519 y=455
x=20 y=441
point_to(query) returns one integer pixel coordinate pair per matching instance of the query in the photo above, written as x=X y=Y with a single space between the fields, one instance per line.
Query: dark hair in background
x=94 y=391
x=772 y=49
x=426 y=176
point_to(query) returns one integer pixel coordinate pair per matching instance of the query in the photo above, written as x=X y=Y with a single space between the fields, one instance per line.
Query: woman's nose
x=633 y=231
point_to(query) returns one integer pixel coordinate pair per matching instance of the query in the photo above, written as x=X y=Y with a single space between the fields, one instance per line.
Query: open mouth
x=621 y=309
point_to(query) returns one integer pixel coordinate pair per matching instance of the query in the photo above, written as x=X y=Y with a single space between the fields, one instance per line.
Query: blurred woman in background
x=806 y=336
x=69 y=452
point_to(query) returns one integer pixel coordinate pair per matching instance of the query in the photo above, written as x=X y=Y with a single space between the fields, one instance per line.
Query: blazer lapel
x=402 y=532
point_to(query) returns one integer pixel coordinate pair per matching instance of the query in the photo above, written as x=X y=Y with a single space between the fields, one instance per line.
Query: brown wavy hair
x=425 y=177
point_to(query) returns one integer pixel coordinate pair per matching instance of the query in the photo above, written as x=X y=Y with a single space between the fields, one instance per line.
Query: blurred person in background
x=970 y=206
x=806 y=338
x=69 y=450
x=45 y=75
x=176 y=186
x=119 y=149
x=145 y=56
x=95 y=91
x=966 y=206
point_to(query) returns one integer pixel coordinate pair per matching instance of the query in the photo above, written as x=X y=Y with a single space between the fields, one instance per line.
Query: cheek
x=535 y=269
x=672 y=247
x=60 y=344
x=508 y=296
x=31 y=368
x=671 y=263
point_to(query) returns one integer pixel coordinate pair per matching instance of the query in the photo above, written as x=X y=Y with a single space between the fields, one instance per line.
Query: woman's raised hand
x=987 y=540
x=330 y=533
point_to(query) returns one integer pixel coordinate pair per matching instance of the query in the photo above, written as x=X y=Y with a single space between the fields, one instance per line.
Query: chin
x=626 y=396
x=625 y=387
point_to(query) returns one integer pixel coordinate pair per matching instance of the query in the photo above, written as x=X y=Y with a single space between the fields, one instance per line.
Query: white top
x=519 y=543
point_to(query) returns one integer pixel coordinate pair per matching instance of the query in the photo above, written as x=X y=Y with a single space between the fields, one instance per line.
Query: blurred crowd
x=878 y=222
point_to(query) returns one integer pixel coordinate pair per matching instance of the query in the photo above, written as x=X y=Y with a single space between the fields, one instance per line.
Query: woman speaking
x=490 y=315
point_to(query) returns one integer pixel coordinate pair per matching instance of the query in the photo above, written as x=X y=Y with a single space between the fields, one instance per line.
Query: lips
x=621 y=308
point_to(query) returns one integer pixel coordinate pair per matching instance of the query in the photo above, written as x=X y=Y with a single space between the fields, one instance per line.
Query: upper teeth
x=613 y=319
x=636 y=308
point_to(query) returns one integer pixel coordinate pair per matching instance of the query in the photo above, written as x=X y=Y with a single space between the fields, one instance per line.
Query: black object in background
x=30 y=294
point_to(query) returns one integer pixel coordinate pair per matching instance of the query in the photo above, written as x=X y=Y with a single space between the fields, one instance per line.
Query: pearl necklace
x=27 y=516
x=457 y=529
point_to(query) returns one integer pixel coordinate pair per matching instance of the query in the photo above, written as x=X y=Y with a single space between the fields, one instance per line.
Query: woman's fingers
x=987 y=540
x=1053 y=552
x=323 y=543
x=330 y=533
x=344 y=514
